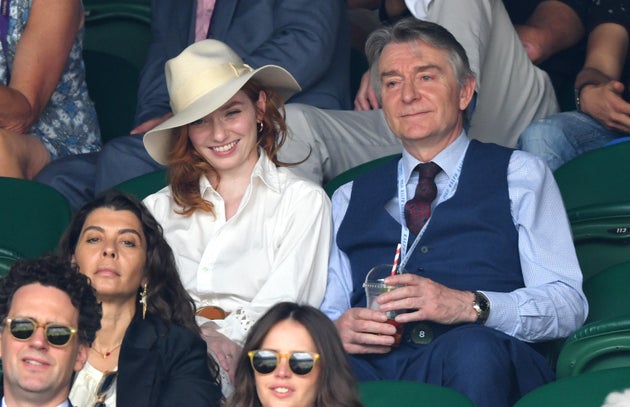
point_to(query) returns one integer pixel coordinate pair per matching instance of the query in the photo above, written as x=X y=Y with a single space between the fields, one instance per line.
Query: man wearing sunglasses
x=49 y=317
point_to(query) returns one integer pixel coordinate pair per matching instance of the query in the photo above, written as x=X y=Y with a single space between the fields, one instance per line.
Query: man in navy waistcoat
x=490 y=276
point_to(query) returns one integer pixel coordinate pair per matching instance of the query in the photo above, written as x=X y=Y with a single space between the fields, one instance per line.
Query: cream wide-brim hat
x=200 y=80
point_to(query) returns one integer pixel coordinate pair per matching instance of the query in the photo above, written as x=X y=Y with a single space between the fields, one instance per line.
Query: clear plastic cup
x=374 y=286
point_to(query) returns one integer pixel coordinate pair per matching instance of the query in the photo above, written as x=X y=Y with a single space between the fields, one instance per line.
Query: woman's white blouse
x=275 y=248
x=83 y=391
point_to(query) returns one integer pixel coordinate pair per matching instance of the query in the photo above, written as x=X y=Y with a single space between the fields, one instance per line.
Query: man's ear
x=466 y=93
x=82 y=357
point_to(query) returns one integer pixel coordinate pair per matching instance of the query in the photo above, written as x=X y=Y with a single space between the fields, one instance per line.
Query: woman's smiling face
x=227 y=138
x=282 y=387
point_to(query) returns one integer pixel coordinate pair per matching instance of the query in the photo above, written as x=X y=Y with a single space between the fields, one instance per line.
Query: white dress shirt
x=275 y=248
x=552 y=304
x=85 y=384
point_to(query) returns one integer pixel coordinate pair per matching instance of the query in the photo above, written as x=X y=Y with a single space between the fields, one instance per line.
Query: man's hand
x=366 y=98
x=150 y=124
x=219 y=345
x=605 y=104
x=427 y=301
x=364 y=330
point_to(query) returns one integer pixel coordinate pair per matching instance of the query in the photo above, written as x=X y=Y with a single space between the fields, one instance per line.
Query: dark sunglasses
x=23 y=329
x=106 y=383
x=266 y=361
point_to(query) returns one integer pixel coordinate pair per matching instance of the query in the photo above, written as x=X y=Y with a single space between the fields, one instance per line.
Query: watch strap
x=577 y=92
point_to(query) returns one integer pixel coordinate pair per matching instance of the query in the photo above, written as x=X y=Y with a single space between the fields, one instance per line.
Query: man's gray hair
x=412 y=30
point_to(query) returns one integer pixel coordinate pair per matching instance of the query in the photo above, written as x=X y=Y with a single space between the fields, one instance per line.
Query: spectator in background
x=309 y=39
x=38 y=364
x=601 y=95
x=246 y=232
x=293 y=356
x=45 y=110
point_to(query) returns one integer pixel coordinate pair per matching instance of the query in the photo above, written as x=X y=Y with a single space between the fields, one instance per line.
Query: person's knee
x=542 y=136
x=121 y=159
x=476 y=348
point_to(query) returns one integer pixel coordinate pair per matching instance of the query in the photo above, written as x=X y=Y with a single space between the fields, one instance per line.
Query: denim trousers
x=563 y=136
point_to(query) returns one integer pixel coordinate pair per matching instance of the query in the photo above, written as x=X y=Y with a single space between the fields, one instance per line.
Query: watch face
x=482 y=306
x=483 y=303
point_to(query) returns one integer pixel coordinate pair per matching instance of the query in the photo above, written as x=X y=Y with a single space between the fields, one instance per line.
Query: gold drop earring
x=143 y=300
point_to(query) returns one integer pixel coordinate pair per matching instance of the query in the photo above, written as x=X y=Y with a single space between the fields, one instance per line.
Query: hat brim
x=160 y=140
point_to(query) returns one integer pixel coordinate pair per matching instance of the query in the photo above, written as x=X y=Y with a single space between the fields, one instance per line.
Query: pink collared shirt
x=202 y=22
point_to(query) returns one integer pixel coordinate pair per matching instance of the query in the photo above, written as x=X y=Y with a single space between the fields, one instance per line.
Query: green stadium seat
x=595 y=193
x=117 y=36
x=585 y=390
x=388 y=393
x=347 y=176
x=144 y=185
x=32 y=217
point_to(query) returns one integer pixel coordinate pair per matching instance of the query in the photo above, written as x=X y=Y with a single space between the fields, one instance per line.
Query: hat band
x=203 y=82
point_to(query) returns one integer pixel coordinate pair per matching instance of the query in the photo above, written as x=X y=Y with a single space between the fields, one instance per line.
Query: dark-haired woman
x=149 y=351
x=293 y=357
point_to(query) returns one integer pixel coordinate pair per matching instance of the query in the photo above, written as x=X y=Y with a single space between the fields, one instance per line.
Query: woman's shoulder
x=161 y=202
x=289 y=181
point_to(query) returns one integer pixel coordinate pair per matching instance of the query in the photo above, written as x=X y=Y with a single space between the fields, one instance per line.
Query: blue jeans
x=563 y=136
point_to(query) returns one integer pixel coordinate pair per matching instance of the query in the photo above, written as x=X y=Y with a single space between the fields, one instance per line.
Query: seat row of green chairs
x=116 y=40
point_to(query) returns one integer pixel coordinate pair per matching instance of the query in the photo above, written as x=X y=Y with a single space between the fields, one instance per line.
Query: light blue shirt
x=66 y=403
x=552 y=303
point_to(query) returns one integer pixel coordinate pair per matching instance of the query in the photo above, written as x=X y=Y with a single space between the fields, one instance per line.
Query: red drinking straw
x=396 y=257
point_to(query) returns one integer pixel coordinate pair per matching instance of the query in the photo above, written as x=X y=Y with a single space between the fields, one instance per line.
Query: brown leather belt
x=212 y=312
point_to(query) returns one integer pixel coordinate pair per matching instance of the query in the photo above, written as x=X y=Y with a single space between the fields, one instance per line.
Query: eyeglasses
x=106 y=383
x=57 y=335
x=266 y=361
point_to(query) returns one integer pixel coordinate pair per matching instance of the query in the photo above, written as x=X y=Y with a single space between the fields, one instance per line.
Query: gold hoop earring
x=143 y=300
x=260 y=126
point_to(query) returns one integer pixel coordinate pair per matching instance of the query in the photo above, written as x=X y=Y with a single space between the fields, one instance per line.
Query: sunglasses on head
x=266 y=361
x=57 y=335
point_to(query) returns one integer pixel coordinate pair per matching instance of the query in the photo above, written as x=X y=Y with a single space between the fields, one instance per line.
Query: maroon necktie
x=418 y=208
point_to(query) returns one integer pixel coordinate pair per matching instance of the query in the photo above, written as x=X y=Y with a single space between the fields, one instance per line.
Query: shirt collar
x=65 y=403
x=265 y=170
x=447 y=159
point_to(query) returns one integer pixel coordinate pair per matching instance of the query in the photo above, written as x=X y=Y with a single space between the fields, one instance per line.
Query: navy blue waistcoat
x=471 y=242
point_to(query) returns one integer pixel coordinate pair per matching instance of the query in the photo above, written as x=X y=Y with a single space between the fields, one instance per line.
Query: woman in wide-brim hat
x=246 y=232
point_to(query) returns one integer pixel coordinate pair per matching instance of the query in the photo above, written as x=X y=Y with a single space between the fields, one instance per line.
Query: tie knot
x=428 y=170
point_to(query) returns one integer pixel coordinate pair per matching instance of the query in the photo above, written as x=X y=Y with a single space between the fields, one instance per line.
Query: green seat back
x=601 y=234
x=117 y=36
x=144 y=185
x=597 y=177
x=586 y=390
x=608 y=293
x=388 y=393
x=599 y=345
x=595 y=193
x=349 y=175
x=7 y=257
x=33 y=217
